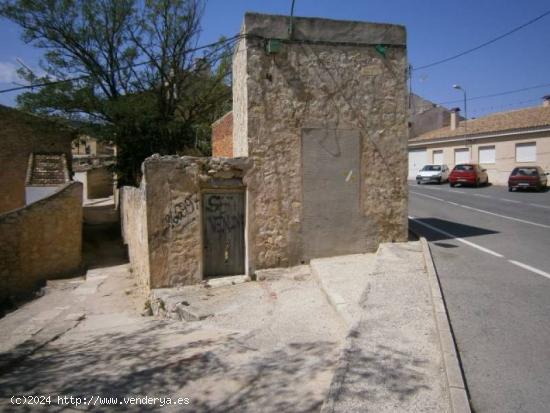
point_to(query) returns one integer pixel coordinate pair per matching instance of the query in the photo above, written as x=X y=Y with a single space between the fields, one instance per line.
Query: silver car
x=433 y=173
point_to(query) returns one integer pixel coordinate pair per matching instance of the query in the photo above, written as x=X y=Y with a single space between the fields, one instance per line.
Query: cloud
x=8 y=72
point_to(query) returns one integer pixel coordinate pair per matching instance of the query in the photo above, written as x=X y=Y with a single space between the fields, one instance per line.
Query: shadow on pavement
x=454 y=228
x=102 y=246
x=373 y=376
x=218 y=373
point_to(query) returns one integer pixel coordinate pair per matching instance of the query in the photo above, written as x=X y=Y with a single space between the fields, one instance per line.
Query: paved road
x=492 y=252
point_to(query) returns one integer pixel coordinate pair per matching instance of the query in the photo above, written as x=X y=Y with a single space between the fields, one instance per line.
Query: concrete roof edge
x=324 y=30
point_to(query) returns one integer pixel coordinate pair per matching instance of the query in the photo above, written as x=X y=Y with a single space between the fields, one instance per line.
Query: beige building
x=498 y=142
x=88 y=146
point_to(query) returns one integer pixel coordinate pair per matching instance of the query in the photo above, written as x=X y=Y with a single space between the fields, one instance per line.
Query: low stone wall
x=41 y=241
x=162 y=220
x=100 y=183
x=133 y=215
x=174 y=213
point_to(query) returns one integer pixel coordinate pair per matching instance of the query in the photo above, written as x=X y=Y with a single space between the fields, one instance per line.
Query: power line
x=507 y=92
x=506 y=105
x=473 y=49
x=72 y=79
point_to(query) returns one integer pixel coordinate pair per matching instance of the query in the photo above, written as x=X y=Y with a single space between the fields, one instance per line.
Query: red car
x=468 y=173
x=528 y=177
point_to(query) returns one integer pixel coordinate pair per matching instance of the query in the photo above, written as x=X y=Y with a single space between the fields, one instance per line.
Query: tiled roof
x=497 y=123
x=47 y=170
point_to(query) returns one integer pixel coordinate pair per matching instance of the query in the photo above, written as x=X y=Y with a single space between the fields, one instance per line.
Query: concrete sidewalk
x=393 y=360
x=273 y=345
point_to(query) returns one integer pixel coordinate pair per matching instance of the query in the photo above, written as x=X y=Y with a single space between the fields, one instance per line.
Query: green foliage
x=138 y=81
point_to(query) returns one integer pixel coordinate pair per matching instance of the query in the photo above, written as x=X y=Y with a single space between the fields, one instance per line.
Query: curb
x=337 y=303
x=458 y=394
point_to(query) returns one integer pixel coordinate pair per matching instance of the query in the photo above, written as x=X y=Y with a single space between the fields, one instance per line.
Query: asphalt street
x=492 y=252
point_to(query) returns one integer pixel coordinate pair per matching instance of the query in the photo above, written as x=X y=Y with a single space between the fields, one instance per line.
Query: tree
x=138 y=76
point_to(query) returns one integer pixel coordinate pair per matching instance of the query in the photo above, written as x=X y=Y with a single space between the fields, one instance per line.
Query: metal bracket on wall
x=273 y=46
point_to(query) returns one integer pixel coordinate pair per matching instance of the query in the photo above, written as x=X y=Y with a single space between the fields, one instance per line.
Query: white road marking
x=448 y=234
x=512 y=201
x=429 y=196
x=483 y=211
x=480 y=248
x=529 y=268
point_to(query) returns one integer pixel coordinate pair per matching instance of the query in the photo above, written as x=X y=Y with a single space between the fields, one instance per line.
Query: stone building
x=320 y=169
x=35 y=158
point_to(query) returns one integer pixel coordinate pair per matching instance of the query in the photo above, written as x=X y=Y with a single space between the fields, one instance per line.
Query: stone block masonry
x=41 y=241
x=320 y=144
x=332 y=82
x=162 y=220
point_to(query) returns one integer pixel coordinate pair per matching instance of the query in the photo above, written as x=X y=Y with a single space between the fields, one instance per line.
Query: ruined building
x=319 y=164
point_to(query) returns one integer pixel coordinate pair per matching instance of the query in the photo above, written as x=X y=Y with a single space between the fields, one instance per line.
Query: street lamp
x=458 y=87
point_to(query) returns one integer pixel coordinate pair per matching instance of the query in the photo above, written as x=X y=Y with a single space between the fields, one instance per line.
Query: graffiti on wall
x=183 y=213
x=224 y=212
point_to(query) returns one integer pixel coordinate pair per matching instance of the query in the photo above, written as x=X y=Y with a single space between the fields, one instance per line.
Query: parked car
x=528 y=177
x=433 y=173
x=470 y=174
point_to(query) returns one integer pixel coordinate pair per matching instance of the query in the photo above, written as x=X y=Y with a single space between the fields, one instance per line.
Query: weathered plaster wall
x=173 y=196
x=330 y=78
x=133 y=219
x=41 y=241
x=21 y=134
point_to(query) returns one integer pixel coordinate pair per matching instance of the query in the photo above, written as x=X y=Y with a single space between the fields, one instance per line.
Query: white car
x=433 y=173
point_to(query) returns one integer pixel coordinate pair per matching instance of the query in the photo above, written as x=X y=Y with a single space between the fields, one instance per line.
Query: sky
x=436 y=29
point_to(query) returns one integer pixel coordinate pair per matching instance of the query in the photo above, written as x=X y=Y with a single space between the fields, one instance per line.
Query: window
x=462 y=156
x=526 y=152
x=525 y=171
x=486 y=154
x=464 y=168
x=438 y=157
x=432 y=168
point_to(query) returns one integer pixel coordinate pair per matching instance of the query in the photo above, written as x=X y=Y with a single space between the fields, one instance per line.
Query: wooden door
x=223 y=223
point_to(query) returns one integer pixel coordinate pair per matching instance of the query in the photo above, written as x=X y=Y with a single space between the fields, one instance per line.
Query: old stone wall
x=133 y=219
x=222 y=136
x=331 y=78
x=99 y=183
x=21 y=134
x=173 y=194
x=41 y=241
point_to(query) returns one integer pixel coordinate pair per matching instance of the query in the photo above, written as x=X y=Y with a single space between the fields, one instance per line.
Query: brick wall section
x=222 y=136
x=133 y=217
x=21 y=134
x=41 y=241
